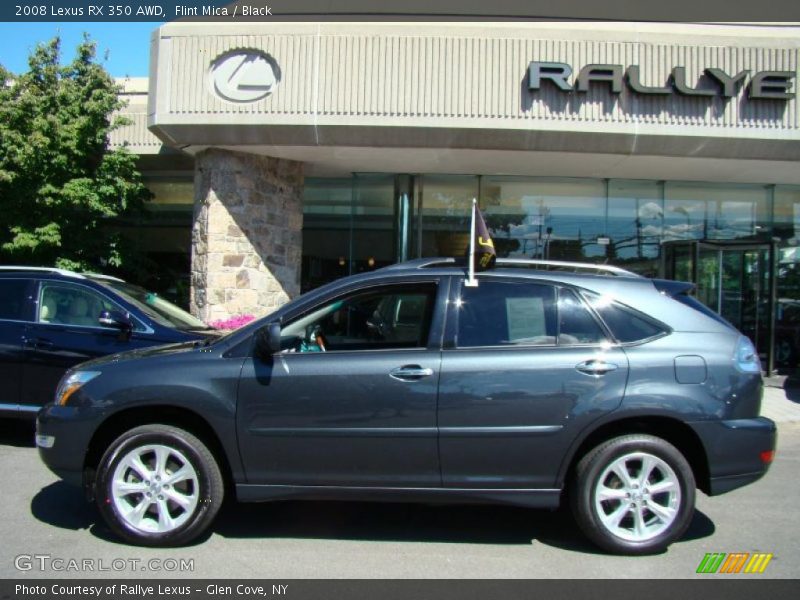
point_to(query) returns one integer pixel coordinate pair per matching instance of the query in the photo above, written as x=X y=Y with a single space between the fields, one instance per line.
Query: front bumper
x=734 y=449
x=67 y=431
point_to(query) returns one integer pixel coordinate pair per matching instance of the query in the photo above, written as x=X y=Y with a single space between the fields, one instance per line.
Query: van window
x=12 y=299
x=68 y=304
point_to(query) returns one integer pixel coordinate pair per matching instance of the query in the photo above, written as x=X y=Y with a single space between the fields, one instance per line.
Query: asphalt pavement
x=47 y=530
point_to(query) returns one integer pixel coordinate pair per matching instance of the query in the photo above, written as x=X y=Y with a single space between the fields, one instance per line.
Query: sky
x=128 y=44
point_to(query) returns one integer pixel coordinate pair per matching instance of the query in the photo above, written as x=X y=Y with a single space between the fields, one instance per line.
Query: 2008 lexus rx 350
x=616 y=393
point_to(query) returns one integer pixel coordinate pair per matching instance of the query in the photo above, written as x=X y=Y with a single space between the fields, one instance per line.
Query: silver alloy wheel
x=637 y=497
x=155 y=489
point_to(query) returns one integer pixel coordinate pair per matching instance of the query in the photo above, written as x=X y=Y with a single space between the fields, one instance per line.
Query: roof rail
x=422 y=263
x=64 y=272
x=103 y=277
x=566 y=265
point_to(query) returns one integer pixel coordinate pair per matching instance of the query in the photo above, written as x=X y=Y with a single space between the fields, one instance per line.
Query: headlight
x=71 y=383
x=746 y=357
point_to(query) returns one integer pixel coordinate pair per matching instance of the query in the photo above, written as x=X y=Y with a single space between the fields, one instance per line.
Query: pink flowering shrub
x=232 y=322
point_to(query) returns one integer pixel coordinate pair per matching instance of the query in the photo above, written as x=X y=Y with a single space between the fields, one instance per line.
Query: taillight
x=745 y=357
x=767 y=456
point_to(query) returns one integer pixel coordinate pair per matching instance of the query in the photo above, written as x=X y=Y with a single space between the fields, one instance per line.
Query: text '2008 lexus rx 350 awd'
x=590 y=385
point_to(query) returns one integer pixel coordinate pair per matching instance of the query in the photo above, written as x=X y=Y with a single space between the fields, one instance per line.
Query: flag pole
x=471 y=281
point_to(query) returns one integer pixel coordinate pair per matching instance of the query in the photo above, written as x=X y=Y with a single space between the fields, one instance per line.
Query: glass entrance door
x=744 y=297
x=679 y=260
x=733 y=279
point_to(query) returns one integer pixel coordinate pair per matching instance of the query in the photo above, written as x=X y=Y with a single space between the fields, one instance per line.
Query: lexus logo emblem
x=244 y=75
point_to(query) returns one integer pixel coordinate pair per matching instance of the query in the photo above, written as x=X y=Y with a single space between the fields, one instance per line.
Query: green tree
x=60 y=183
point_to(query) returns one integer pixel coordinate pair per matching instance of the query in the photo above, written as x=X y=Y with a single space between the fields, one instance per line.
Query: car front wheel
x=159 y=485
x=634 y=494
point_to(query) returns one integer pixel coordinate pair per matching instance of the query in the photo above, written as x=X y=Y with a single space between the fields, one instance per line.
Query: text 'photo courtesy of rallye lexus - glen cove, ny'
x=533 y=383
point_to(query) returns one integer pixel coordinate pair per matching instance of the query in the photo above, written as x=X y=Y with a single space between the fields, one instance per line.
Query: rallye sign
x=762 y=85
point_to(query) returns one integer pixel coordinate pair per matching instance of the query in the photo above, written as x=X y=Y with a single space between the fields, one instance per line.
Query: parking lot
x=45 y=517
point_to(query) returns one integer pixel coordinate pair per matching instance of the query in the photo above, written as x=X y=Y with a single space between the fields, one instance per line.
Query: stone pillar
x=246 y=235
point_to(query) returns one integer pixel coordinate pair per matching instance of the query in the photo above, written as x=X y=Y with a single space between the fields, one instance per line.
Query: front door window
x=67 y=304
x=387 y=318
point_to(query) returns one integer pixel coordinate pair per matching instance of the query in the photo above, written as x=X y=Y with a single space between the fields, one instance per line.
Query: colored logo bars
x=735 y=562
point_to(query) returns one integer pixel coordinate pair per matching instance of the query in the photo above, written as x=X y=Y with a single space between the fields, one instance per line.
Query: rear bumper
x=734 y=450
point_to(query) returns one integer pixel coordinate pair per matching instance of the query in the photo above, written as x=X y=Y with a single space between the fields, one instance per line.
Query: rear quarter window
x=625 y=324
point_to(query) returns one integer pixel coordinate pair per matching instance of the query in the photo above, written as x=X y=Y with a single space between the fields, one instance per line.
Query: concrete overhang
x=356 y=98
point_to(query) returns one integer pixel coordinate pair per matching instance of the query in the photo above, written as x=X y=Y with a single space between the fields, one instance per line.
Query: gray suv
x=545 y=383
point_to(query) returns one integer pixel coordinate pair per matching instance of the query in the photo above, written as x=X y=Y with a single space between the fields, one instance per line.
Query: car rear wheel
x=159 y=485
x=634 y=494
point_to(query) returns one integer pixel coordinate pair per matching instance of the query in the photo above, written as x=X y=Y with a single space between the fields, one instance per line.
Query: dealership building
x=284 y=155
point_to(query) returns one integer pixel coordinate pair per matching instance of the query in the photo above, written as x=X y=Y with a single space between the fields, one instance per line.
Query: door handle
x=596 y=367
x=410 y=373
x=38 y=343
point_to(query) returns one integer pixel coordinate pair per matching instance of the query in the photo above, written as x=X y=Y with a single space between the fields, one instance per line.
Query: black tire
x=209 y=490
x=586 y=479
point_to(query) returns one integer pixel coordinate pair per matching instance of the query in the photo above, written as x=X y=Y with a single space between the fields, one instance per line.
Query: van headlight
x=746 y=357
x=71 y=383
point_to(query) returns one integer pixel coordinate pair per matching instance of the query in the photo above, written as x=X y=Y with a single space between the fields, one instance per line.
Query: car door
x=526 y=366
x=66 y=332
x=351 y=401
x=16 y=310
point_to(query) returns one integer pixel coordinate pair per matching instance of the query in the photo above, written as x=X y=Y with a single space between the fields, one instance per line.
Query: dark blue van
x=53 y=319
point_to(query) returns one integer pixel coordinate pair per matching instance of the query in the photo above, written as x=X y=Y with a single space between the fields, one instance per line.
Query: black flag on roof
x=485 y=254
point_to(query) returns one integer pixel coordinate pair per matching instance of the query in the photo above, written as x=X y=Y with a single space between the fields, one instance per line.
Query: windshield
x=156 y=308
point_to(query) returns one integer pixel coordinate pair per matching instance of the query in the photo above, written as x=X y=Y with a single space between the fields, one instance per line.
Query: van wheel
x=633 y=494
x=158 y=485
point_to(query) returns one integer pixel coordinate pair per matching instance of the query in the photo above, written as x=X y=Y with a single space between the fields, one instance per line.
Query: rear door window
x=576 y=325
x=13 y=299
x=500 y=313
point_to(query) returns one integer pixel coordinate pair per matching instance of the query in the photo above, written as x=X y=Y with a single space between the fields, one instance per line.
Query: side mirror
x=268 y=340
x=117 y=320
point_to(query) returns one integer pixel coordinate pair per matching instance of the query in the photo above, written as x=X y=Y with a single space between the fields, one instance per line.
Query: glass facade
x=737 y=242
x=786 y=230
x=348 y=227
x=163 y=234
x=558 y=219
x=635 y=224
